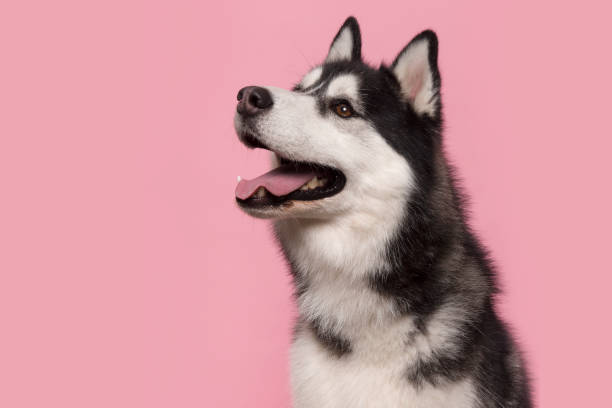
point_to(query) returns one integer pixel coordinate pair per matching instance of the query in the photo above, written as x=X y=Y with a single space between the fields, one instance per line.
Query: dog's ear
x=416 y=69
x=347 y=43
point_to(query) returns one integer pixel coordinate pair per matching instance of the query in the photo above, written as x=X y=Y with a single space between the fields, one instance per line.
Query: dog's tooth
x=304 y=187
x=313 y=183
x=239 y=178
x=322 y=182
x=260 y=193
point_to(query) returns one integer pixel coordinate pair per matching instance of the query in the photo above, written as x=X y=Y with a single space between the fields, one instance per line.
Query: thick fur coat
x=395 y=293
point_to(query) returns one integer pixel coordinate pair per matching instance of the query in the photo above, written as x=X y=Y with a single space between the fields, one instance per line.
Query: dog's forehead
x=343 y=85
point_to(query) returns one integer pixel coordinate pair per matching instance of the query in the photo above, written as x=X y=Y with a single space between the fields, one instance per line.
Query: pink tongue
x=280 y=181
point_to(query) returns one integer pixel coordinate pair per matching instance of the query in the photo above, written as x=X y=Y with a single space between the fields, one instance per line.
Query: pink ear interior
x=416 y=81
x=413 y=72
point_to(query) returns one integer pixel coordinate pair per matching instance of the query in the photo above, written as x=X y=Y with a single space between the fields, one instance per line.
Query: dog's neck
x=385 y=261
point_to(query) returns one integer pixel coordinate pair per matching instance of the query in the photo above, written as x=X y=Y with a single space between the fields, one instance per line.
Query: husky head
x=349 y=139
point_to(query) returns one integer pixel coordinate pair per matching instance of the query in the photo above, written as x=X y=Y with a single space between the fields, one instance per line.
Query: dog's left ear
x=416 y=69
x=347 y=43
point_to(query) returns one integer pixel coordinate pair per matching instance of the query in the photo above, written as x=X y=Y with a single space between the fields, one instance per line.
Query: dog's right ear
x=347 y=43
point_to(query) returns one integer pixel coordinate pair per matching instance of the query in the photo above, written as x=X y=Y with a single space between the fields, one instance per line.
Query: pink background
x=129 y=279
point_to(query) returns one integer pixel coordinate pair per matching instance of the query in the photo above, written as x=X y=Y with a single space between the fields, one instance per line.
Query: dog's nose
x=253 y=100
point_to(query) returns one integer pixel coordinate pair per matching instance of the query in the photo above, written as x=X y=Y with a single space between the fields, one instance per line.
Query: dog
x=395 y=293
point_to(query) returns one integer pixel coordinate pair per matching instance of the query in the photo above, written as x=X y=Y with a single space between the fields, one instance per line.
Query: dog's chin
x=264 y=212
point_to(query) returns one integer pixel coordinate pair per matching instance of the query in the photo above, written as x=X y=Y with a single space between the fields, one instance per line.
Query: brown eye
x=343 y=110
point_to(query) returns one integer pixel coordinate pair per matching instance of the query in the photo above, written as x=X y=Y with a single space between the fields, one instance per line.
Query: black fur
x=335 y=344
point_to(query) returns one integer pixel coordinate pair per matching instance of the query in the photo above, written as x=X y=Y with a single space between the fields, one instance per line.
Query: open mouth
x=290 y=181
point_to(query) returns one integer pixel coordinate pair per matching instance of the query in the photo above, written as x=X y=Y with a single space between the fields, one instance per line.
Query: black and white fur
x=395 y=293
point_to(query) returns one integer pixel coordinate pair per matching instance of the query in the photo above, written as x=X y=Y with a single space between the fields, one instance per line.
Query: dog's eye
x=343 y=109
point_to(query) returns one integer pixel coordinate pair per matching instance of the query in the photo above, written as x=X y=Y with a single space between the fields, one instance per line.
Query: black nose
x=253 y=100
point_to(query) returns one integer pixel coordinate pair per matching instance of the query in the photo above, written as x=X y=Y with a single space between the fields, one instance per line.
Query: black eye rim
x=338 y=102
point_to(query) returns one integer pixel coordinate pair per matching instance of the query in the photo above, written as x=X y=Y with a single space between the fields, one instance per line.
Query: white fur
x=374 y=374
x=344 y=86
x=342 y=47
x=343 y=304
x=414 y=75
x=336 y=242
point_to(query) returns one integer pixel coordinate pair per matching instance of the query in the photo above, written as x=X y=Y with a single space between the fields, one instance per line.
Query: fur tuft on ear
x=416 y=69
x=347 y=43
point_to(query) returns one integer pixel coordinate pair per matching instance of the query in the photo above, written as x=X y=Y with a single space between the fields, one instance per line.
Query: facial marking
x=346 y=87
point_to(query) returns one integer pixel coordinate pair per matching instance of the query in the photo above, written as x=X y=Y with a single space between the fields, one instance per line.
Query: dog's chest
x=372 y=375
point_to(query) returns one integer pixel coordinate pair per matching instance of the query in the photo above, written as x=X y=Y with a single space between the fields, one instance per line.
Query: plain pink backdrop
x=129 y=279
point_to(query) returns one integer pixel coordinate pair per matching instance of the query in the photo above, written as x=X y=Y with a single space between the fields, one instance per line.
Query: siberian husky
x=394 y=291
